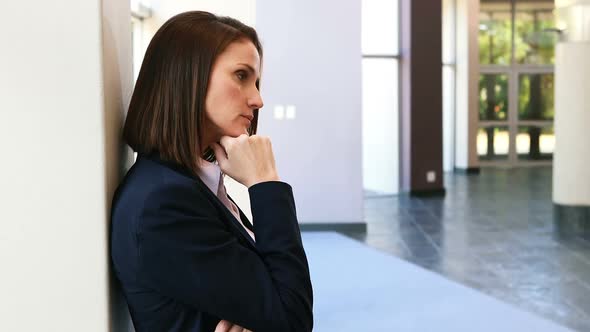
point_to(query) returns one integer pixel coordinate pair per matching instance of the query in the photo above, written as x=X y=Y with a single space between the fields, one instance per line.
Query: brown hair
x=167 y=107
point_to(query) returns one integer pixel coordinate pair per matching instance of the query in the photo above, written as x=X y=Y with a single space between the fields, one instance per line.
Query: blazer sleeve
x=187 y=253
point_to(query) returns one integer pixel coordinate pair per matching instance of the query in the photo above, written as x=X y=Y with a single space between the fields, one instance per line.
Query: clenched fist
x=247 y=159
x=225 y=326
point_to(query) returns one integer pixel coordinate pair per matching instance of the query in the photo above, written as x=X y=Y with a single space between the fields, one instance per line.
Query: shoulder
x=152 y=171
x=150 y=185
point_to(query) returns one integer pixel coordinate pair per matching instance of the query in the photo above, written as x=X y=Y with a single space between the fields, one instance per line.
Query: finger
x=226 y=141
x=236 y=328
x=223 y=326
x=220 y=153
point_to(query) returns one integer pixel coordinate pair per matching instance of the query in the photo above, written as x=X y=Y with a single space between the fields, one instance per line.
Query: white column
x=66 y=77
x=449 y=50
x=571 y=165
x=467 y=75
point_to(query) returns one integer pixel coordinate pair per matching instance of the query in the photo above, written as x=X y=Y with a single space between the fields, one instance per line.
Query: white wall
x=57 y=167
x=313 y=61
x=117 y=84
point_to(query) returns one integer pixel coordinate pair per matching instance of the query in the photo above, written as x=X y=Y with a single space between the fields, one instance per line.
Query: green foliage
x=533 y=44
x=495 y=42
x=542 y=109
x=493 y=97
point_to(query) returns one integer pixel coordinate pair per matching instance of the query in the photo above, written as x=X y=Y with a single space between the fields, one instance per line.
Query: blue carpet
x=357 y=288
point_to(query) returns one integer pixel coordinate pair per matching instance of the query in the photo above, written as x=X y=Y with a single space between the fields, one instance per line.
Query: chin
x=235 y=132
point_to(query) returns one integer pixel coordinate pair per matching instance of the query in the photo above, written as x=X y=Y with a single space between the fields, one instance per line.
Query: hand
x=247 y=159
x=225 y=326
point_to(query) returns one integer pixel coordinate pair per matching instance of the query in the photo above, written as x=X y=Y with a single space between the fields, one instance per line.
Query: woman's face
x=232 y=95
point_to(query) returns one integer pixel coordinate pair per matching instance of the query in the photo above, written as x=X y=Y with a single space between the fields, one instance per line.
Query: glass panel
x=493 y=97
x=535 y=97
x=535 y=143
x=495 y=32
x=380 y=125
x=379 y=27
x=534 y=43
x=493 y=143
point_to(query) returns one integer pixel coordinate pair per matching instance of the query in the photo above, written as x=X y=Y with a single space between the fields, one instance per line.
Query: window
x=380 y=96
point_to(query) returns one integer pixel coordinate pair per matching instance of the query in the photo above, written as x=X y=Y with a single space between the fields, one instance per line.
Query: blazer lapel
x=245 y=219
x=227 y=213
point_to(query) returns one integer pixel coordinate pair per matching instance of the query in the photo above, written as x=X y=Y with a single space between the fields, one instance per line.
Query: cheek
x=223 y=103
x=230 y=102
x=233 y=93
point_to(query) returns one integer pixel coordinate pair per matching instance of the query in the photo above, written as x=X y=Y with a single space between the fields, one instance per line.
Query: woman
x=186 y=256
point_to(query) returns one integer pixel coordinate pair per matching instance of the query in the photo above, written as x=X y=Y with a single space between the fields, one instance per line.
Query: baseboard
x=428 y=193
x=571 y=220
x=355 y=227
x=467 y=171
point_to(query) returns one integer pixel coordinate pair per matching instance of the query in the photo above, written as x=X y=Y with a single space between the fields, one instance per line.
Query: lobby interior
x=447 y=142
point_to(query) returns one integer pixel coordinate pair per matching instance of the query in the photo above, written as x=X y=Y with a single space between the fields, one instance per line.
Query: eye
x=241 y=75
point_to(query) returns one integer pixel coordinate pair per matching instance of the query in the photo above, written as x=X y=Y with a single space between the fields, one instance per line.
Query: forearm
x=278 y=239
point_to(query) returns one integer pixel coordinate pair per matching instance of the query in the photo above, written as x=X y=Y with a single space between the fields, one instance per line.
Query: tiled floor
x=493 y=232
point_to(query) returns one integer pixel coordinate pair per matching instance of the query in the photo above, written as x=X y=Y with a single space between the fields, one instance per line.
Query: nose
x=255 y=100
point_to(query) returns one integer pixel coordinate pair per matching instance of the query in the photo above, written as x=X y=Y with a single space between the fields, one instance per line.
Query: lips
x=249 y=117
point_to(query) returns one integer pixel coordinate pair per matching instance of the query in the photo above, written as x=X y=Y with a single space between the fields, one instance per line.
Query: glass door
x=516 y=105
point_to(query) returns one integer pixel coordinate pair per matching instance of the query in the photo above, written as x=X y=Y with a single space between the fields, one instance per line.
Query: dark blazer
x=184 y=262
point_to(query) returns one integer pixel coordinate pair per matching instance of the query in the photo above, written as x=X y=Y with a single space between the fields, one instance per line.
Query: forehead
x=240 y=52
